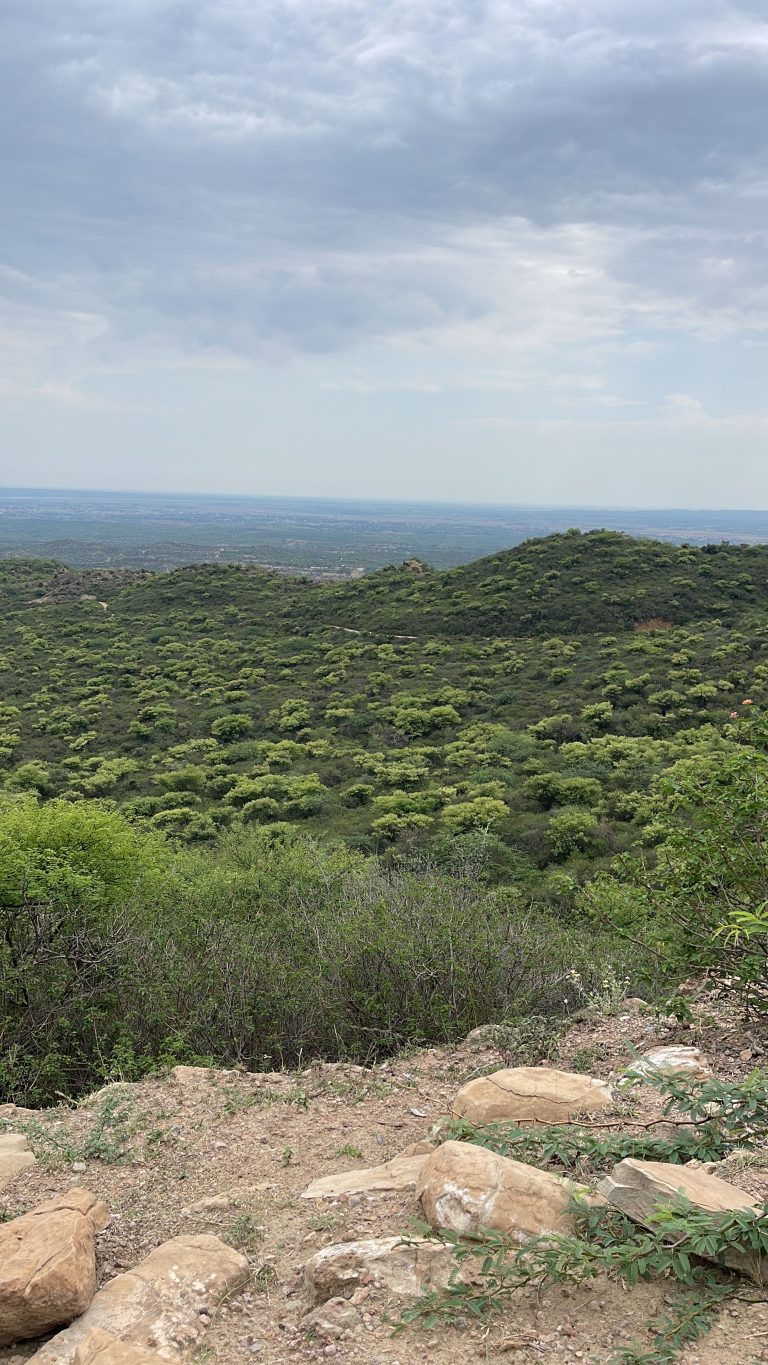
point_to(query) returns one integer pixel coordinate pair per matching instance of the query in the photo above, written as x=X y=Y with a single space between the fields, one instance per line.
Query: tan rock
x=640 y=1188
x=156 y=1306
x=497 y=1036
x=48 y=1265
x=101 y=1348
x=14 y=1156
x=404 y=1267
x=191 y=1075
x=464 y=1188
x=673 y=1060
x=530 y=1094
x=401 y=1173
x=332 y=1319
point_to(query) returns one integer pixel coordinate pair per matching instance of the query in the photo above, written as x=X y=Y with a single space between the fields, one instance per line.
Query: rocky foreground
x=213 y=1216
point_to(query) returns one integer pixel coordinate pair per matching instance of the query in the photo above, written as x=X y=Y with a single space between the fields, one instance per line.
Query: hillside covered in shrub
x=425 y=799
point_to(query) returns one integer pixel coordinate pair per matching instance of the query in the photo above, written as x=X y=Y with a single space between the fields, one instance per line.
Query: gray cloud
x=495 y=191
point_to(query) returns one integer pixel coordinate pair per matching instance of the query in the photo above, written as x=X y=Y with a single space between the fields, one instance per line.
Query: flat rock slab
x=15 y=1156
x=530 y=1094
x=465 y=1188
x=48 y=1265
x=639 y=1188
x=157 y=1305
x=101 y=1348
x=674 y=1060
x=404 y=1267
x=401 y=1173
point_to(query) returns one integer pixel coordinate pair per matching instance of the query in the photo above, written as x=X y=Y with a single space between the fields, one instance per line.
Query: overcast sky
x=504 y=250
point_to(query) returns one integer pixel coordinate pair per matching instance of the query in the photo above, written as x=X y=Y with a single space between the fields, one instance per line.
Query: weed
x=585 y=1059
x=349 y=1149
x=108 y=1139
x=328 y=1222
x=264 y=1278
x=244 y=1233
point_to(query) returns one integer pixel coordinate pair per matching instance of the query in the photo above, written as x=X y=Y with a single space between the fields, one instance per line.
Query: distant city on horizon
x=334 y=537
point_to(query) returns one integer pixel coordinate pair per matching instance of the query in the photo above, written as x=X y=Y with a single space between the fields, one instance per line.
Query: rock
x=48 y=1265
x=530 y=1094
x=101 y=1348
x=333 y=1318
x=214 y=1203
x=14 y=1156
x=401 y=1173
x=639 y=1188
x=673 y=1060
x=403 y=1267
x=499 y=1036
x=464 y=1188
x=191 y=1075
x=156 y=1305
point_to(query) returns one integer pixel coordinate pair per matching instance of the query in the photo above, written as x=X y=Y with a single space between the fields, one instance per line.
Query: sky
x=508 y=251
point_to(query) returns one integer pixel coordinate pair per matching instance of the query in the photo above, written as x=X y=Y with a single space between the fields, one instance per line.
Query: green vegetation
x=251 y=818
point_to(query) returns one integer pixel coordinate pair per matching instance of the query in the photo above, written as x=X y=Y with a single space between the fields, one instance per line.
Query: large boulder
x=14 y=1156
x=101 y=1348
x=639 y=1188
x=405 y=1267
x=48 y=1265
x=401 y=1173
x=530 y=1094
x=464 y=1188
x=157 y=1305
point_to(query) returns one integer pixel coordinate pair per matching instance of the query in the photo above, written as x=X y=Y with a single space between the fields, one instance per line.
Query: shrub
x=701 y=902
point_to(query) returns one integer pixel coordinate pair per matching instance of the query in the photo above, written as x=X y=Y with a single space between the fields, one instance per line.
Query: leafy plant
x=607 y=1243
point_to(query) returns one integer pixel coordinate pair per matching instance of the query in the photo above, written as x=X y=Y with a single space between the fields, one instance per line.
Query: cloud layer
x=439 y=215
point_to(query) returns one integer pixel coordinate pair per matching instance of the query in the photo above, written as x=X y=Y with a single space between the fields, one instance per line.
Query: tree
x=228 y=728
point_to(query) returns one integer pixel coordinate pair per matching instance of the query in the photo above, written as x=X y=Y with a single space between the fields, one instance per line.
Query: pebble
x=331 y=1350
x=78 y=1166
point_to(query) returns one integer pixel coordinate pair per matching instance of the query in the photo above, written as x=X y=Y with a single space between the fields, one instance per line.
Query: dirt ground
x=157 y=1150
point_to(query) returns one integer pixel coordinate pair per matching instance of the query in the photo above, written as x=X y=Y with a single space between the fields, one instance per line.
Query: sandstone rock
x=14 y=1156
x=332 y=1319
x=156 y=1306
x=101 y=1348
x=673 y=1060
x=403 y=1267
x=401 y=1173
x=191 y=1075
x=48 y=1265
x=638 y=1188
x=464 y=1188
x=530 y=1094
x=492 y=1035
x=214 y=1203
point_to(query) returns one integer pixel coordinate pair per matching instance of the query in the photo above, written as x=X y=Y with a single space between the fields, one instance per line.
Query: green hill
x=528 y=695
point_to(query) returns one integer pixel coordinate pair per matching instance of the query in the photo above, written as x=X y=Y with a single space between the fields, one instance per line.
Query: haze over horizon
x=508 y=251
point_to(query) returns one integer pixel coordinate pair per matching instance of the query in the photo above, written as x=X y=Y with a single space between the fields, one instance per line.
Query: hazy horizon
x=9 y=490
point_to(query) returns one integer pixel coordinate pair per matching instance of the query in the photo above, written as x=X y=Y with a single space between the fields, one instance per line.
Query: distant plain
x=321 y=537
